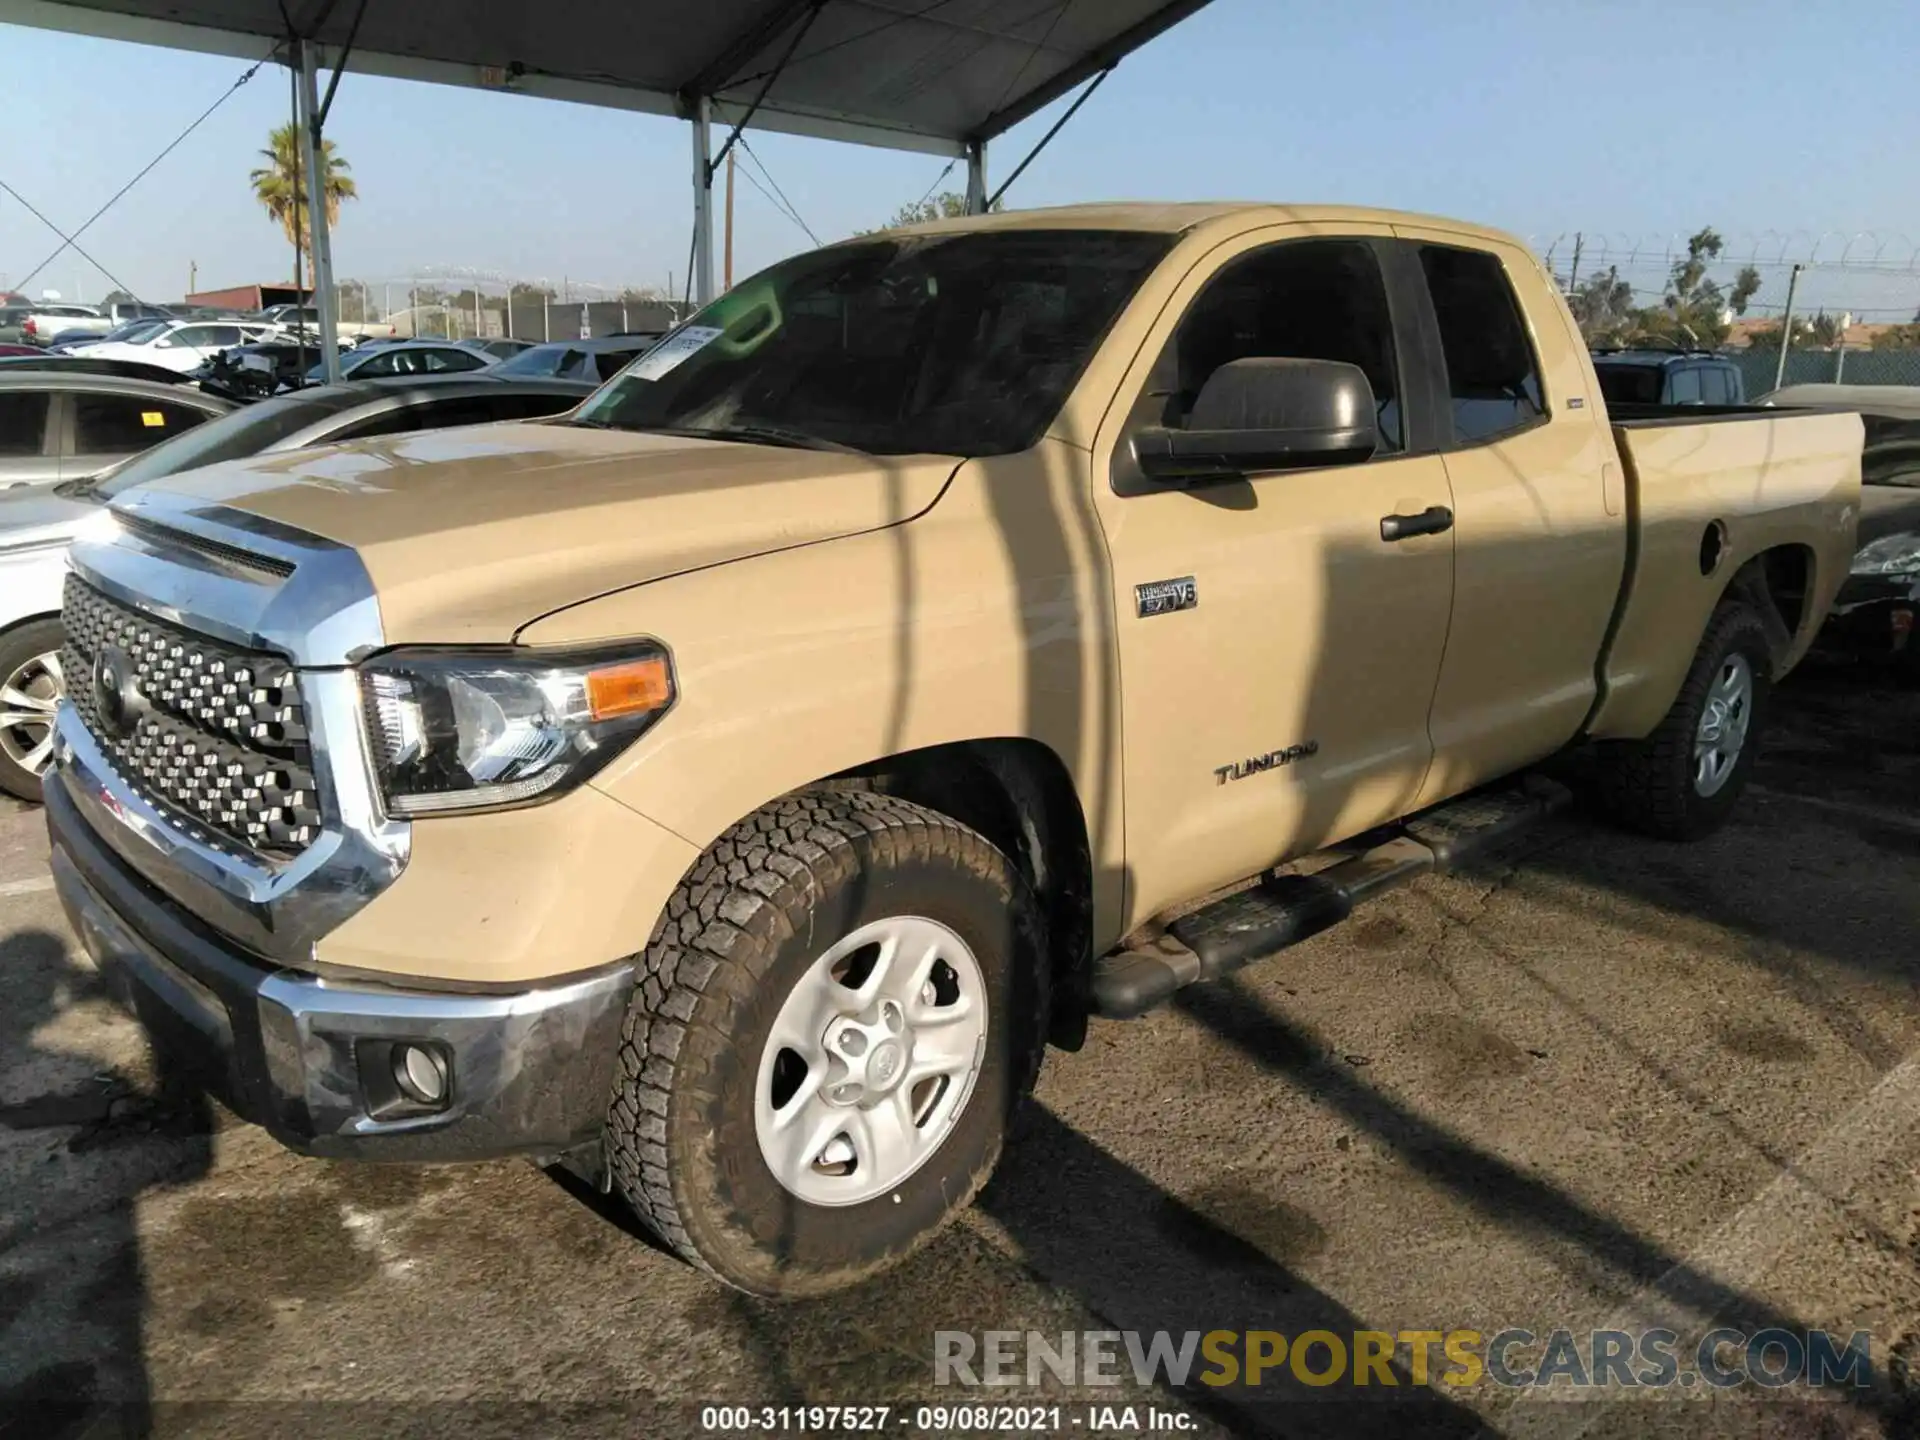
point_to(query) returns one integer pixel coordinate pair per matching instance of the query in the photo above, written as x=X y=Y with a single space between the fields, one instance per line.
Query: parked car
x=500 y=347
x=407 y=357
x=735 y=783
x=597 y=359
x=182 y=345
x=1874 y=613
x=1668 y=377
x=81 y=363
x=70 y=342
x=10 y=351
x=295 y=319
x=59 y=424
x=37 y=324
x=95 y=320
x=266 y=367
x=36 y=525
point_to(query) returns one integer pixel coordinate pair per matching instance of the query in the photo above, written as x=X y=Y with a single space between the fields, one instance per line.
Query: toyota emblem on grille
x=115 y=693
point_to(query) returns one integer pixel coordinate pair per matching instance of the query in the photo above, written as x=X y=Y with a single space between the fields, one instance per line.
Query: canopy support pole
x=702 y=200
x=976 y=177
x=307 y=96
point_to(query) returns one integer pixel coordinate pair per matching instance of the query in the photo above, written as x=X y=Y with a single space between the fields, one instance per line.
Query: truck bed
x=1708 y=489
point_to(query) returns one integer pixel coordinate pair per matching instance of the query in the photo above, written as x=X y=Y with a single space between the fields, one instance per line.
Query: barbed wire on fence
x=468 y=302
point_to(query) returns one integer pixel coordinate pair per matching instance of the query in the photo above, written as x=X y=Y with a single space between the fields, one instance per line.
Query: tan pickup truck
x=728 y=788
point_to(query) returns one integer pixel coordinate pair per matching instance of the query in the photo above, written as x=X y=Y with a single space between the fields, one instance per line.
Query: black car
x=84 y=364
x=595 y=360
x=1874 y=613
x=253 y=372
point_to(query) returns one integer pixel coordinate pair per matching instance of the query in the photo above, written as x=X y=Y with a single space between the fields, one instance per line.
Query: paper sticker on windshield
x=674 y=349
x=153 y=419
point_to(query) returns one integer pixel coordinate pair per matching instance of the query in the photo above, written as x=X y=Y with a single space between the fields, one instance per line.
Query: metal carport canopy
x=941 y=76
x=925 y=75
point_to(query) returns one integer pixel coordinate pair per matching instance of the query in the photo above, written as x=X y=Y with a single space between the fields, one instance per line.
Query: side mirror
x=1266 y=413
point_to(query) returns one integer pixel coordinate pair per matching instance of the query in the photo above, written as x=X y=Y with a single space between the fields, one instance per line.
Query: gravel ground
x=1609 y=1085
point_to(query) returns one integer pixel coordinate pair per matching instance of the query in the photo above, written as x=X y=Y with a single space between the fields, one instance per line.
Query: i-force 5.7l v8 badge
x=1163 y=597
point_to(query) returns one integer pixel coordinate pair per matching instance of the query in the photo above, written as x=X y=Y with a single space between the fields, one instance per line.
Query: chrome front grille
x=218 y=734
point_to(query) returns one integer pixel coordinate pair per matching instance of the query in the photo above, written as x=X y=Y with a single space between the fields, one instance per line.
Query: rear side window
x=122 y=424
x=1714 y=386
x=609 y=363
x=1492 y=376
x=1683 y=387
x=23 y=422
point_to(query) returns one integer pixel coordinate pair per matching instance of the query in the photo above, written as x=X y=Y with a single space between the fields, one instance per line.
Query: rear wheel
x=835 y=1019
x=1681 y=782
x=31 y=684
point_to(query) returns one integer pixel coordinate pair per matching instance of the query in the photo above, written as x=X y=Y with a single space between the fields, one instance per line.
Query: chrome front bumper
x=307 y=1057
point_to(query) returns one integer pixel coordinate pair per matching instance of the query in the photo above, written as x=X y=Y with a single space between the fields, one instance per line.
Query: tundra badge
x=1163 y=597
x=1272 y=760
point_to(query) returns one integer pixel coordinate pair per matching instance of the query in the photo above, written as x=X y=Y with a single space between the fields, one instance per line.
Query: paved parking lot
x=1610 y=1085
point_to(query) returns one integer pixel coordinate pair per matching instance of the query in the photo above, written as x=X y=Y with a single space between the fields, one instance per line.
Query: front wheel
x=31 y=685
x=835 y=1018
x=1681 y=782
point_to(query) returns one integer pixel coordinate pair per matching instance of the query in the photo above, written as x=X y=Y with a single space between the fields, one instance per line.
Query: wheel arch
x=1019 y=794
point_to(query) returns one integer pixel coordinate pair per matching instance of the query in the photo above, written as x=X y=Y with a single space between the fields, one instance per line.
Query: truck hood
x=469 y=535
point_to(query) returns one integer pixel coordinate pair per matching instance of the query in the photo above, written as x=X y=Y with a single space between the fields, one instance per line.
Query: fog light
x=421 y=1074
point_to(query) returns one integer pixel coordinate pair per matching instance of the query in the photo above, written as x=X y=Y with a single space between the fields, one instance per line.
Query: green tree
x=1898 y=337
x=525 y=292
x=280 y=187
x=1604 y=307
x=1695 y=309
x=947 y=205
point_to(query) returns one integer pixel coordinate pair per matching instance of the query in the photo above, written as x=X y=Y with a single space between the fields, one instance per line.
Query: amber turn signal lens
x=630 y=688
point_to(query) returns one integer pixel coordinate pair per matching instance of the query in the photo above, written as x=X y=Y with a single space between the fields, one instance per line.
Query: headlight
x=478 y=728
x=1889 y=555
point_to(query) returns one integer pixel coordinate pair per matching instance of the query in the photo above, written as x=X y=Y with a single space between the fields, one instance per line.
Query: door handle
x=1431 y=521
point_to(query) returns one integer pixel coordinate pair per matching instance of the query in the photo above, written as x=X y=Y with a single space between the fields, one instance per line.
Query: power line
x=791 y=213
x=21 y=285
x=70 y=241
x=936 y=181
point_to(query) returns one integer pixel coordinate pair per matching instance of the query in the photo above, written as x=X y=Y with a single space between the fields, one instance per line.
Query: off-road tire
x=1647 y=785
x=757 y=909
x=17 y=646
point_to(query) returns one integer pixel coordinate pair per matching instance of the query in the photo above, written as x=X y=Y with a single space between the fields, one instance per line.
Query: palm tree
x=280 y=187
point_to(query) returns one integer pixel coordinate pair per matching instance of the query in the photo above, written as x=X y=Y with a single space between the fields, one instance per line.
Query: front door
x=1277 y=656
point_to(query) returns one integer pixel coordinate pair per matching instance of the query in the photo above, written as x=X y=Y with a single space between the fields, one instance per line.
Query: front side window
x=1302 y=300
x=1492 y=377
x=960 y=344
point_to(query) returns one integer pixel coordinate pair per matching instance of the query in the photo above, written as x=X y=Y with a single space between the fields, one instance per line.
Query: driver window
x=1300 y=299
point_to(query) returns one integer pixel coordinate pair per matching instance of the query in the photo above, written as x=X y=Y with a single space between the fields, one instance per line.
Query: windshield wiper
x=779 y=435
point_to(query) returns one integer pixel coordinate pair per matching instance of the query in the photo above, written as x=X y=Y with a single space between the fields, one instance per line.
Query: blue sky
x=1634 y=118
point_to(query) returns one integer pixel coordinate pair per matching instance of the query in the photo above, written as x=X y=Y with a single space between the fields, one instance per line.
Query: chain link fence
x=459 y=304
x=1808 y=367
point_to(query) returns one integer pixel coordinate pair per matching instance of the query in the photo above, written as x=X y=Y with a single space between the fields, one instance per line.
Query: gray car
x=37 y=524
x=67 y=424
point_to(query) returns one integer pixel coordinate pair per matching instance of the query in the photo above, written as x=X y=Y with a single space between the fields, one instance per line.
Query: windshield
x=959 y=344
x=540 y=360
x=231 y=437
x=137 y=330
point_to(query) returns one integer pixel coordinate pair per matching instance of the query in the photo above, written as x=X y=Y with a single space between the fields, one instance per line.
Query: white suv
x=183 y=345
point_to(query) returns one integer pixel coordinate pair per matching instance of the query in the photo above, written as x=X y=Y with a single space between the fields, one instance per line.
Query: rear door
x=1539 y=545
x=29 y=451
x=103 y=428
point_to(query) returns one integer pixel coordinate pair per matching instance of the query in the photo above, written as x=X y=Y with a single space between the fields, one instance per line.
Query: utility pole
x=1786 y=329
x=727 y=284
x=1573 y=276
x=193 y=276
